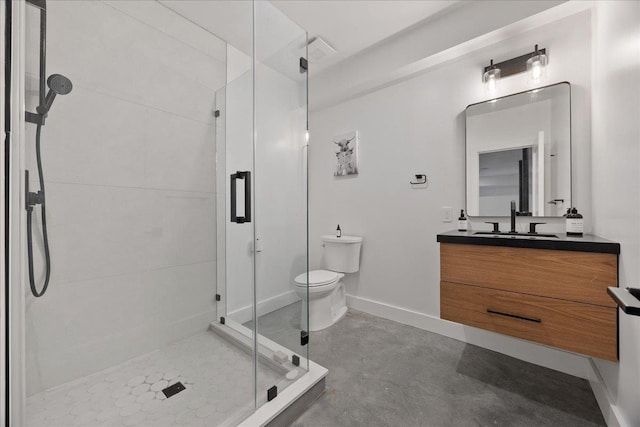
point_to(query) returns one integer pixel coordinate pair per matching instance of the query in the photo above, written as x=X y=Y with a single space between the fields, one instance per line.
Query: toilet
x=326 y=293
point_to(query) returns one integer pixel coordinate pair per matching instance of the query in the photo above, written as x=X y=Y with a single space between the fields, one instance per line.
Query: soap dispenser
x=462 y=221
x=575 y=223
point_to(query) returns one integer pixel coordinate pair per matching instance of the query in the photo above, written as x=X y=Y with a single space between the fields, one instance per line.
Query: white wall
x=129 y=161
x=616 y=178
x=417 y=126
x=398 y=55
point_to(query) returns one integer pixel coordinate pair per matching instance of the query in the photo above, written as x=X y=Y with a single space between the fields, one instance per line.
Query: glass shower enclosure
x=160 y=165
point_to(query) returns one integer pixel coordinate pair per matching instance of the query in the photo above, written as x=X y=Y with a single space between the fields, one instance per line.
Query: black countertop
x=586 y=243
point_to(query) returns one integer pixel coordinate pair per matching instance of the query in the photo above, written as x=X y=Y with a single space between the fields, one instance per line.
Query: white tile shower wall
x=129 y=161
x=616 y=179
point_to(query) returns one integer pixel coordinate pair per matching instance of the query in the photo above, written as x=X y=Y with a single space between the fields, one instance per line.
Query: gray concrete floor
x=383 y=373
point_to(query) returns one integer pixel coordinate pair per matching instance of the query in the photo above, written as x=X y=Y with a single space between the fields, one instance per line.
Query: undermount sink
x=515 y=235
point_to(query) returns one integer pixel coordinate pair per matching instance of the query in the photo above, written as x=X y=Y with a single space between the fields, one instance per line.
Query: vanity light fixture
x=534 y=63
x=537 y=65
x=491 y=77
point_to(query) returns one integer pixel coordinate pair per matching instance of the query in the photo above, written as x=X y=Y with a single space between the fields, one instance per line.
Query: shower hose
x=43 y=212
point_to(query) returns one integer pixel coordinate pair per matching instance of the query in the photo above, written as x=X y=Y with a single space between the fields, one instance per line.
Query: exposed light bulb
x=306 y=136
x=536 y=70
x=536 y=66
x=492 y=85
x=491 y=79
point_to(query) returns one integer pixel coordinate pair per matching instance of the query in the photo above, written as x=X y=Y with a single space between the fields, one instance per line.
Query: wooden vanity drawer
x=582 y=328
x=568 y=275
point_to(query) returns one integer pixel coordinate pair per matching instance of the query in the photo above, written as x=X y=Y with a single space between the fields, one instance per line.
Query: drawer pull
x=515 y=316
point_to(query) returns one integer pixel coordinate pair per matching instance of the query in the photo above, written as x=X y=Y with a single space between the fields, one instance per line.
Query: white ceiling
x=350 y=26
x=231 y=21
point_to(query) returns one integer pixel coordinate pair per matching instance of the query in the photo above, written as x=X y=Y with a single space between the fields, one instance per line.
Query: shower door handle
x=246 y=177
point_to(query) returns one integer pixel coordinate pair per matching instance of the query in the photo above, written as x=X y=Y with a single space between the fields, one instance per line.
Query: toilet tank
x=342 y=254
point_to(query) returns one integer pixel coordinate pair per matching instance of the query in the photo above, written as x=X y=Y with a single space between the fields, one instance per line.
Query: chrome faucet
x=513 y=216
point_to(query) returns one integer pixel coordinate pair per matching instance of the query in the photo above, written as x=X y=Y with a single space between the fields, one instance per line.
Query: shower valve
x=35 y=198
x=31 y=198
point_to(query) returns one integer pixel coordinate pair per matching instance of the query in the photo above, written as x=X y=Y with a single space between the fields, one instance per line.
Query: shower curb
x=294 y=400
x=299 y=406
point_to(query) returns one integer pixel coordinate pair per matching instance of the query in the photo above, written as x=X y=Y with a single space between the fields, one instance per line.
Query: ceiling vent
x=318 y=50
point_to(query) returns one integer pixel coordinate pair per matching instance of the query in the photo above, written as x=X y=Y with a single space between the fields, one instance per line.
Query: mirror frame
x=466 y=189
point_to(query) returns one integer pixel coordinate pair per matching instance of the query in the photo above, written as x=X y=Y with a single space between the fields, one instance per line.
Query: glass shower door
x=262 y=201
x=281 y=257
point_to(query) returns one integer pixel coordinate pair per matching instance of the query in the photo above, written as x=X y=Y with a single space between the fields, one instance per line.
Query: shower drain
x=173 y=389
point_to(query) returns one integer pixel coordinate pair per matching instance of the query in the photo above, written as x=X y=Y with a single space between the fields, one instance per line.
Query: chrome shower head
x=58 y=85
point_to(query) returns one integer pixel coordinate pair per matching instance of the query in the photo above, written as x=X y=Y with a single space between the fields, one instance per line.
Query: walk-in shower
x=176 y=214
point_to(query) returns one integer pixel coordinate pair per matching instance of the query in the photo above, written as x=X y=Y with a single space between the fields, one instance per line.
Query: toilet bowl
x=324 y=289
x=326 y=295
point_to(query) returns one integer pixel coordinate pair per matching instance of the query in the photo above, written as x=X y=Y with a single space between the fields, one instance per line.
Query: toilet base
x=326 y=310
x=341 y=314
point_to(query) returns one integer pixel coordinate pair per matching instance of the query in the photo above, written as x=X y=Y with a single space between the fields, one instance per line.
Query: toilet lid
x=317 y=278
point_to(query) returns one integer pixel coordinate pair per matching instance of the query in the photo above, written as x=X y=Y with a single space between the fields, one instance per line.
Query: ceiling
x=350 y=26
x=229 y=20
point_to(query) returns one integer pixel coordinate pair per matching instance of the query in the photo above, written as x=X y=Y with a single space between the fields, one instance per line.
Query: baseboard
x=245 y=314
x=607 y=405
x=563 y=361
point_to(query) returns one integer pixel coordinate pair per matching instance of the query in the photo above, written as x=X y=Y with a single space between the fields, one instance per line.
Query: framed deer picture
x=346 y=150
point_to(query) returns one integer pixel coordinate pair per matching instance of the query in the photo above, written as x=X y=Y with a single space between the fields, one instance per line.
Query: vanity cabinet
x=547 y=294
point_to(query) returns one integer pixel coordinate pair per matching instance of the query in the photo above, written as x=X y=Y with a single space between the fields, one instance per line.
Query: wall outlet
x=447 y=214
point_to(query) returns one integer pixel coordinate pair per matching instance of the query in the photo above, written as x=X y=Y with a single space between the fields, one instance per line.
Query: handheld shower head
x=58 y=85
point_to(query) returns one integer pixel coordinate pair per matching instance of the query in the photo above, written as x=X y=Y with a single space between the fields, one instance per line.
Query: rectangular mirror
x=518 y=147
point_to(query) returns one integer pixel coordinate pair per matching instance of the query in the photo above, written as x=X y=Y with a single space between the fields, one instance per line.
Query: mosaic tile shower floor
x=218 y=377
